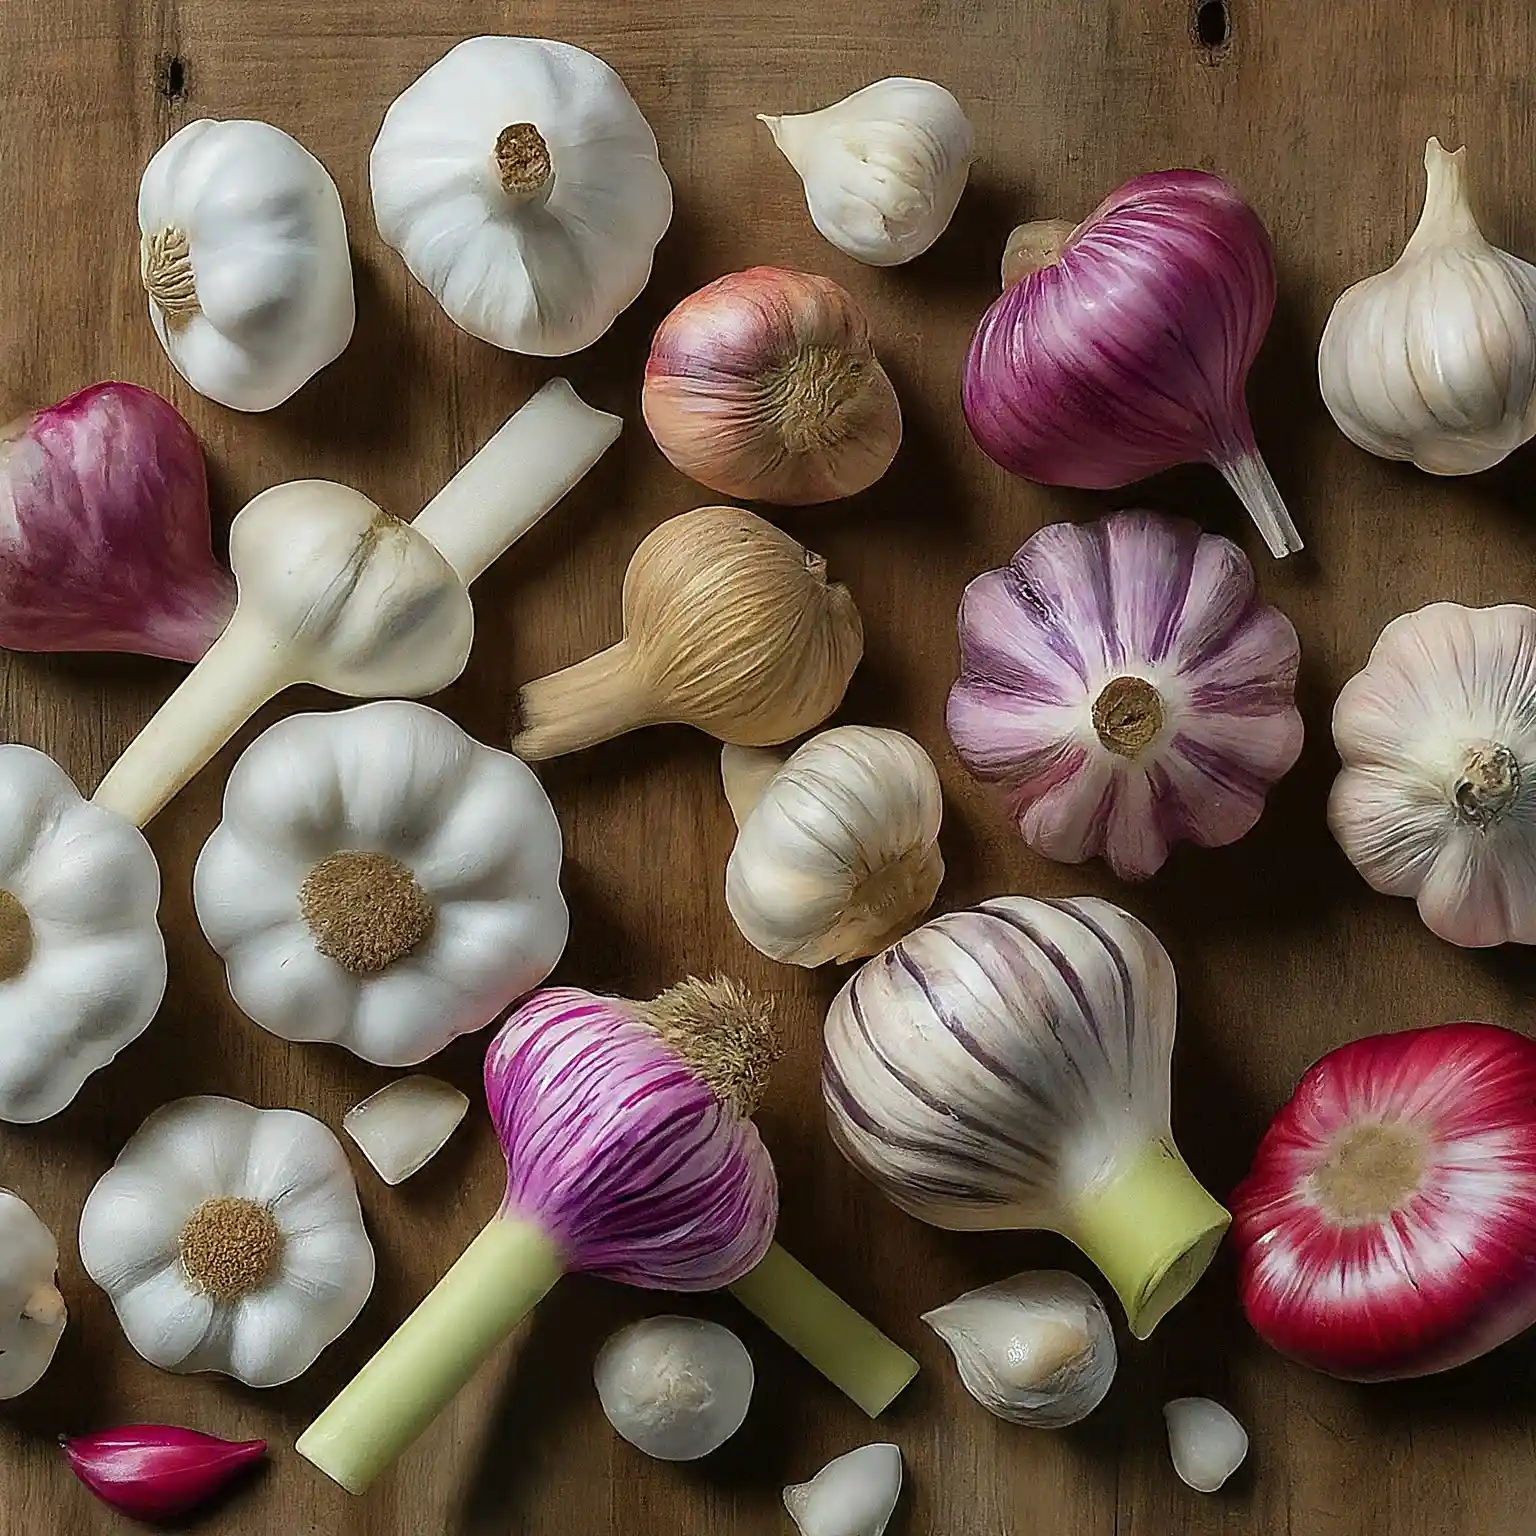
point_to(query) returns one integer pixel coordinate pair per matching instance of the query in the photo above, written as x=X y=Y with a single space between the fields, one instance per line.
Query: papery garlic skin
x=32 y=1312
x=229 y=1239
x=764 y=385
x=676 y=1388
x=521 y=184
x=883 y=168
x=1437 y=797
x=1037 y=1349
x=838 y=856
x=1123 y=685
x=1007 y=1068
x=1434 y=360
x=1205 y=1440
x=855 y=1495
x=244 y=257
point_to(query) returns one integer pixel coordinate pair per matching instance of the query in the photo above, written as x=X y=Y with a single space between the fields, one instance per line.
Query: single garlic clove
x=1207 y=1443
x=1036 y=1349
x=676 y=1388
x=403 y=1126
x=853 y=1496
x=883 y=169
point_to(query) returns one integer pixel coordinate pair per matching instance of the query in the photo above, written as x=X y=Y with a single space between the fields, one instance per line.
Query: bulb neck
x=1447 y=214
x=594 y=700
x=1033 y=247
x=1152 y=1230
x=524 y=167
x=745 y=773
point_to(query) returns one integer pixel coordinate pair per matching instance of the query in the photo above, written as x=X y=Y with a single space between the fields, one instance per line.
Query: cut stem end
x=523 y=163
x=1249 y=477
x=1368 y=1173
x=1033 y=247
x=1488 y=785
x=1128 y=715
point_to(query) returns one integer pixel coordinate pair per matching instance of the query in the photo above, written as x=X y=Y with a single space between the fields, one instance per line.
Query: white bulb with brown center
x=365 y=911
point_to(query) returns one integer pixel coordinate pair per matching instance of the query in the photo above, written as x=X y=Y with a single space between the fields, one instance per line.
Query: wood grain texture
x=1320 y=116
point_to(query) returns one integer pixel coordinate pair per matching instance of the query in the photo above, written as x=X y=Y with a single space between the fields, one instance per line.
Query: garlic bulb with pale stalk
x=1037 y=1349
x=521 y=184
x=243 y=253
x=1007 y=1068
x=838 y=849
x=883 y=168
x=676 y=1388
x=32 y=1311
x=730 y=625
x=1434 y=360
x=853 y=1496
x=1205 y=1440
x=1437 y=797
x=764 y=385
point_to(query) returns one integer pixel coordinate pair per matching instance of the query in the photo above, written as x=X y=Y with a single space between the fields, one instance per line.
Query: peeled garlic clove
x=1207 y=1443
x=853 y=1496
x=883 y=168
x=838 y=854
x=403 y=1126
x=676 y=1388
x=1434 y=359
x=1036 y=1349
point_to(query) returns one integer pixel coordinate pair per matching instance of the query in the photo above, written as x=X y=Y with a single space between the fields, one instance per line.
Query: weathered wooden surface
x=1320 y=115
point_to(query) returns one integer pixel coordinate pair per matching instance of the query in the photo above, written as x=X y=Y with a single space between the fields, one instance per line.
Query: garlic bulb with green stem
x=1434 y=359
x=837 y=853
x=1007 y=1068
x=764 y=385
x=333 y=590
x=730 y=625
x=1436 y=800
x=1036 y=1349
x=883 y=168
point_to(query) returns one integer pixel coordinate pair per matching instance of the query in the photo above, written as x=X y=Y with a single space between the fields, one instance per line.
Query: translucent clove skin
x=157 y=1472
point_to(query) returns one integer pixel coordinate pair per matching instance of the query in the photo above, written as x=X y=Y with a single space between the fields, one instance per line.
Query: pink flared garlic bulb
x=1388 y=1225
x=1121 y=347
x=630 y=1155
x=1123 y=685
x=106 y=543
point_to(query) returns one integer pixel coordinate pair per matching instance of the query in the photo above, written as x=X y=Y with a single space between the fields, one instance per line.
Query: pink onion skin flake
x=1124 y=687
x=155 y=1472
x=1387 y=1227
x=1122 y=346
x=104 y=530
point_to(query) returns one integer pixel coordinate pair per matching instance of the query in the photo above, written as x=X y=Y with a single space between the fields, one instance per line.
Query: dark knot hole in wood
x=171 y=77
x=1211 y=25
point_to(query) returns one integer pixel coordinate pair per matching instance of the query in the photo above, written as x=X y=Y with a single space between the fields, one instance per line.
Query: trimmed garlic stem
x=1248 y=475
x=1488 y=784
x=239 y=673
x=523 y=164
x=497 y=1282
x=1447 y=215
x=825 y=1331
x=581 y=705
x=46 y=1305
x=543 y=450
x=1152 y=1232
x=1033 y=247
x=745 y=773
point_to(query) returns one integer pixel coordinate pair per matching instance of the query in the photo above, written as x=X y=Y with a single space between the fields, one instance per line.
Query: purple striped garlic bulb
x=1123 y=685
x=630 y=1154
x=1007 y=1068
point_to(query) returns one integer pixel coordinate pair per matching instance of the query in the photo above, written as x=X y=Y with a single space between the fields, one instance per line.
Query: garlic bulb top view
x=522 y=186
x=883 y=168
x=243 y=254
x=1007 y=1068
x=1434 y=360
x=1437 y=797
x=837 y=853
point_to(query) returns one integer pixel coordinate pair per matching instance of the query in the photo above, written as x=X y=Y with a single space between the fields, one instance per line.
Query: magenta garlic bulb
x=1125 y=688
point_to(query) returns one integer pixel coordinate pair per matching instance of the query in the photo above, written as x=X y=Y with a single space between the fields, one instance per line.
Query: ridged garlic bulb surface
x=1434 y=360
x=989 y=1066
x=838 y=855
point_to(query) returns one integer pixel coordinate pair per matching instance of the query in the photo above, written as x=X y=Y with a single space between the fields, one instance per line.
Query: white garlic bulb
x=838 y=853
x=1036 y=1349
x=883 y=168
x=853 y=1496
x=1206 y=1442
x=676 y=1388
x=1434 y=360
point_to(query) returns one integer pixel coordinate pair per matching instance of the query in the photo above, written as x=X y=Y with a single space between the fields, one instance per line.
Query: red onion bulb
x=1388 y=1225
x=1120 y=348
x=104 y=542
